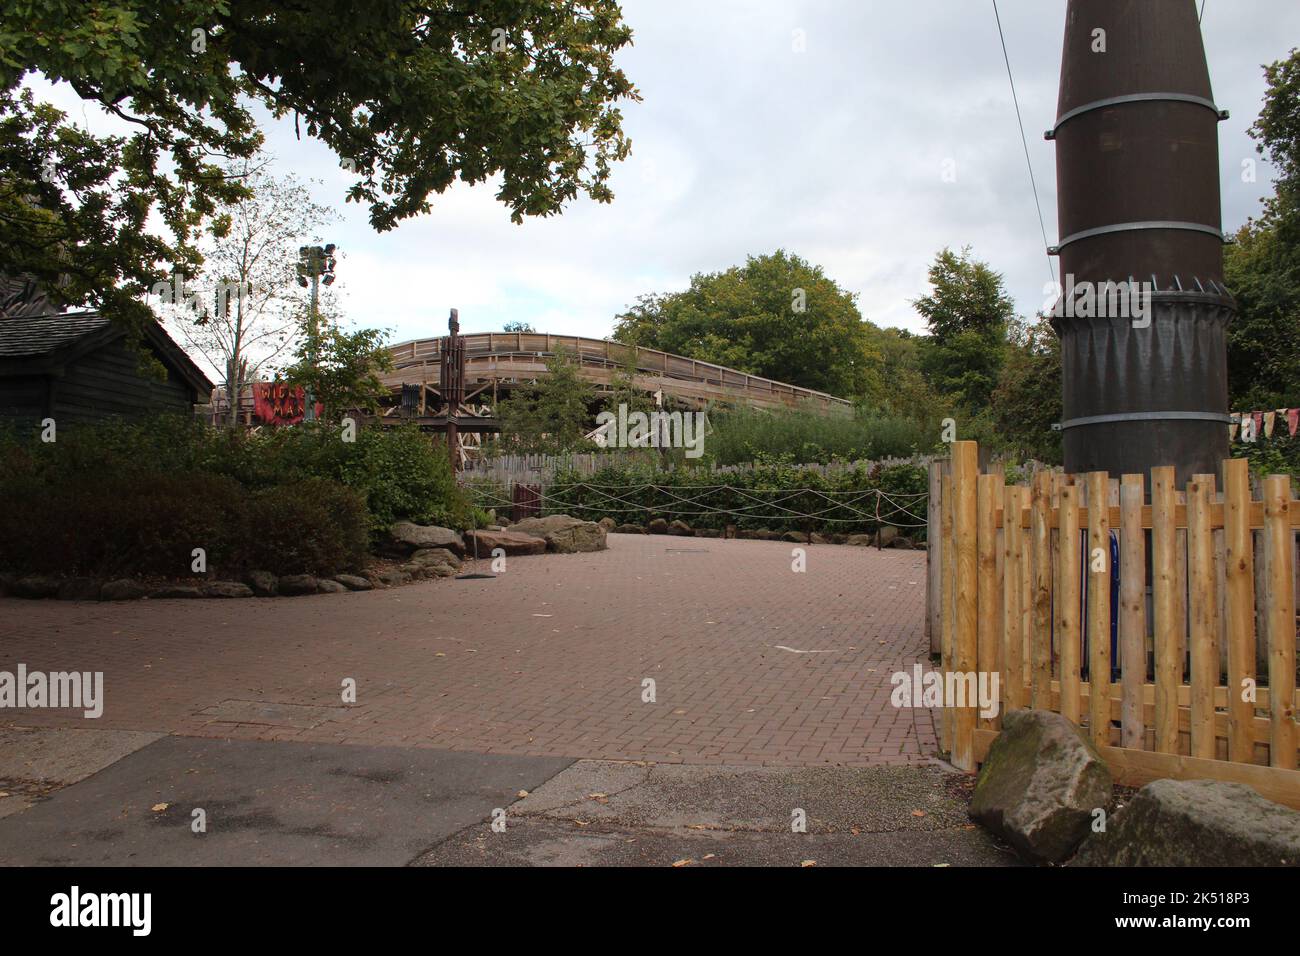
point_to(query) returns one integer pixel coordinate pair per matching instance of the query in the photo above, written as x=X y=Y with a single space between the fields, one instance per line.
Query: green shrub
x=801 y=436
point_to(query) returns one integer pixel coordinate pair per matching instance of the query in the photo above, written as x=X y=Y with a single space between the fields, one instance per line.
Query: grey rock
x=902 y=543
x=393 y=577
x=354 y=582
x=175 y=591
x=405 y=537
x=227 y=589
x=680 y=528
x=35 y=586
x=123 y=589
x=295 y=584
x=861 y=540
x=1197 y=823
x=264 y=583
x=657 y=526
x=607 y=523
x=795 y=537
x=431 y=556
x=80 y=589
x=483 y=543
x=326 y=586
x=1040 y=784
x=708 y=533
x=564 y=534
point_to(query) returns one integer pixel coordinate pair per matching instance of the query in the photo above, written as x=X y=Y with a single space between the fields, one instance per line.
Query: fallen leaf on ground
x=159 y=807
x=807 y=863
x=682 y=863
x=918 y=813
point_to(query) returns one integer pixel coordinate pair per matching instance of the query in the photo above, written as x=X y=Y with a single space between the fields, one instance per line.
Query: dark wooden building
x=77 y=366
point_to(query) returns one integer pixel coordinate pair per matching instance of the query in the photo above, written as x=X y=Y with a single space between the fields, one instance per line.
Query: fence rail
x=1163 y=626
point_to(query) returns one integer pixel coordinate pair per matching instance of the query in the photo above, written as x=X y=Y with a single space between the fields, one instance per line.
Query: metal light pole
x=313 y=263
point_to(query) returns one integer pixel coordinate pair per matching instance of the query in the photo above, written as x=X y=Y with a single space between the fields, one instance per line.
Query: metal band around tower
x=1133 y=227
x=1135 y=98
x=1221 y=417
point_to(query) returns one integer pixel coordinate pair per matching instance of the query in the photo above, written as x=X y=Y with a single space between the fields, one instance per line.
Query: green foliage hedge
x=743 y=435
x=137 y=498
x=775 y=497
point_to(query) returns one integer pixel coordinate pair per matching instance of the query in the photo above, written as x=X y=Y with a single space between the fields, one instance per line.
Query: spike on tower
x=1137 y=164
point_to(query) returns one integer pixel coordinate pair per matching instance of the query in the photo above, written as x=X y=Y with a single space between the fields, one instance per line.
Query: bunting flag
x=1269 y=418
x=1234 y=422
x=1252 y=426
x=1293 y=420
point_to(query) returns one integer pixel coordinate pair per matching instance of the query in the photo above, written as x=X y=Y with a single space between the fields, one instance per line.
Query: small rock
x=227 y=589
x=295 y=584
x=680 y=528
x=861 y=540
x=657 y=526
x=430 y=556
x=629 y=529
x=326 y=586
x=607 y=523
x=887 y=534
x=393 y=577
x=123 y=589
x=795 y=537
x=902 y=543
x=354 y=582
x=708 y=533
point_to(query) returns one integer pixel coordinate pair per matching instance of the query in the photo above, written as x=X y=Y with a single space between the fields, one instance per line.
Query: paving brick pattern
x=753 y=663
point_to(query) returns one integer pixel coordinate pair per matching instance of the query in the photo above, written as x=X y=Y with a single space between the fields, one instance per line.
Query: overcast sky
x=743 y=145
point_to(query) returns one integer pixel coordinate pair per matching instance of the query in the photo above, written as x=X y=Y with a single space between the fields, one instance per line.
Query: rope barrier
x=760 y=508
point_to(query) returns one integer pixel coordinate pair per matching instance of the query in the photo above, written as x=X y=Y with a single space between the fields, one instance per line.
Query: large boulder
x=227 y=589
x=123 y=589
x=430 y=557
x=406 y=537
x=483 y=543
x=1040 y=785
x=292 y=585
x=35 y=586
x=80 y=589
x=1196 y=823
x=563 y=534
x=354 y=582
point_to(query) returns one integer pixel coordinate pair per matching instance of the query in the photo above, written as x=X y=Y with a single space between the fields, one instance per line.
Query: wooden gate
x=1185 y=669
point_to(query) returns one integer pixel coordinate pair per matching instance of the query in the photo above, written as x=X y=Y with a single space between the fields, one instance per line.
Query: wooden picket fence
x=1206 y=579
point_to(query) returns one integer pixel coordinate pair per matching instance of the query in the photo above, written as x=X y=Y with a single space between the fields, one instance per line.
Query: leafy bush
x=137 y=498
x=801 y=436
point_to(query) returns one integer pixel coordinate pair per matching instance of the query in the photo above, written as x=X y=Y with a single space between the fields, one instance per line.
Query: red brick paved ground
x=548 y=659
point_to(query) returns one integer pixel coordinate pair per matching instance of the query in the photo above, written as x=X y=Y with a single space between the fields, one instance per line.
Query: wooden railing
x=1198 y=678
x=506 y=354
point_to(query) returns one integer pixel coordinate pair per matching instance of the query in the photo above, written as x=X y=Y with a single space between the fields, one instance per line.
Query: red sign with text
x=276 y=403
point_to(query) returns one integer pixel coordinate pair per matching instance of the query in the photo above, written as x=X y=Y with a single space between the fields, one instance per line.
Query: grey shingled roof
x=24 y=335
